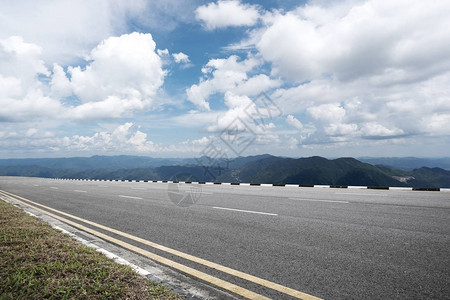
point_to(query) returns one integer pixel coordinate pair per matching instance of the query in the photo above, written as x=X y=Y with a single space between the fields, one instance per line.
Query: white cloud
x=162 y=52
x=30 y=132
x=229 y=75
x=350 y=121
x=230 y=78
x=165 y=56
x=10 y=87
x=111 y=107
x=354 y=73
x=114 y=139
x=21 y=59
x=74 y=26
x=375 y=130
x=180 y=57
x=227 y=13
x=369 y=38
x=202 y=141
x=292 y=143
x=291 y=120
x=327 y=112
x=233 y=101
x=226 y=74
x=121 y=66
x=22 y=95
x=124 y=75
x=60 y=85
x=437 y=124
x=340 y=129
x=67 y=30
x=366 y=71
x=234 y=117
x=257 y=84
x=123 y=139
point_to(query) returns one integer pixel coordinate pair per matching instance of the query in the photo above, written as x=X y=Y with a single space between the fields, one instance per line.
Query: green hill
x=312 y=170
x=252 y=169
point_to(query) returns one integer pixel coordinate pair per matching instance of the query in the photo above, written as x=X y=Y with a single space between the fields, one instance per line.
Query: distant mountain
x=310 y=171
x=408 y=163
x=95 y=162
x=28 y=171
x=430 y=177
x=252 y=169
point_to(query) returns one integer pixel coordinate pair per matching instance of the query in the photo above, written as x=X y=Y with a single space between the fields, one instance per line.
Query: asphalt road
x=330 y=243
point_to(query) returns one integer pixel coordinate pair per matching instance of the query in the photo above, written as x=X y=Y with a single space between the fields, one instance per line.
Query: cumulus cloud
x=21 y=93
x=74 y=26
x=60 y=85
x=365 y=71
x=236 y=101
x=124 y=75
x=67 y=30
x=341 y=129
x=256 y=84
x=227 y=13
x=327 y=112
x=234 y=119
x=351 y=40
x=291 y=120
x=180 y=57
x=122 y=139
x=21 y=59
x=375 y=130
x=125 y=138
x=162 y=52
x=202 y=141
x=357 y=72
x=229 y=75
x=369 y=111
x=112 y=139
x=124 y=66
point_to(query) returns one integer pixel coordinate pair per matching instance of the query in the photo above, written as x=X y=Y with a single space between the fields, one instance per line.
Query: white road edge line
x=317 y=200
x=31 y=214
x=247 y=211
x=104 y=251
x=131 y=197
x=362 y=194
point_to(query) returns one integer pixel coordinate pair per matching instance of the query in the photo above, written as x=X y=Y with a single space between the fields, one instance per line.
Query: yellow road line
x=236 y=273
x=203 y=276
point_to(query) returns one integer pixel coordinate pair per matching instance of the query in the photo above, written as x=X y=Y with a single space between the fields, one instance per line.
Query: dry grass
x=39 y=262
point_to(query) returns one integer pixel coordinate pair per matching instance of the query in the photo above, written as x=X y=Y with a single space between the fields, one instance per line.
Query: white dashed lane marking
x=130 y=197
x=246 y=211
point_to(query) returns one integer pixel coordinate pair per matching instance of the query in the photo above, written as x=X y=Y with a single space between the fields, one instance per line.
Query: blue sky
x=184 y=78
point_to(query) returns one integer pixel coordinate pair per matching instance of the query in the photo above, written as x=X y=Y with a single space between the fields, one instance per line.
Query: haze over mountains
x=408 y=163
x=413 y=172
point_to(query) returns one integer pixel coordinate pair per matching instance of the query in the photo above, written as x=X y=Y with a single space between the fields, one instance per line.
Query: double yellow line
x=185 y=269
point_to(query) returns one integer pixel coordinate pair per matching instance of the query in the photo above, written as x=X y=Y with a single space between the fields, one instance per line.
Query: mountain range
x=251 y=169
x=408 y=163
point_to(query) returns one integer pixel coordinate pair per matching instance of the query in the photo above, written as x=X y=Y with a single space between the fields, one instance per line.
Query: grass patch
x=39 y=262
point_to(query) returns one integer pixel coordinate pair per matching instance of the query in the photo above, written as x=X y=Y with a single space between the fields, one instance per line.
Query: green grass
x=39 y=262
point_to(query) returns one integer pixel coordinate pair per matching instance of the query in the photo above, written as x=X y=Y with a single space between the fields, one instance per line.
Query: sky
x=228 y=78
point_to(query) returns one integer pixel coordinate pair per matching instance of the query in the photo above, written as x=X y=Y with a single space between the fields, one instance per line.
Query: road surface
x=329 y=243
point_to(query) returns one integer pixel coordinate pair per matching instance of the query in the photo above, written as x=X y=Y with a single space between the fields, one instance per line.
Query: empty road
x=329 y=243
